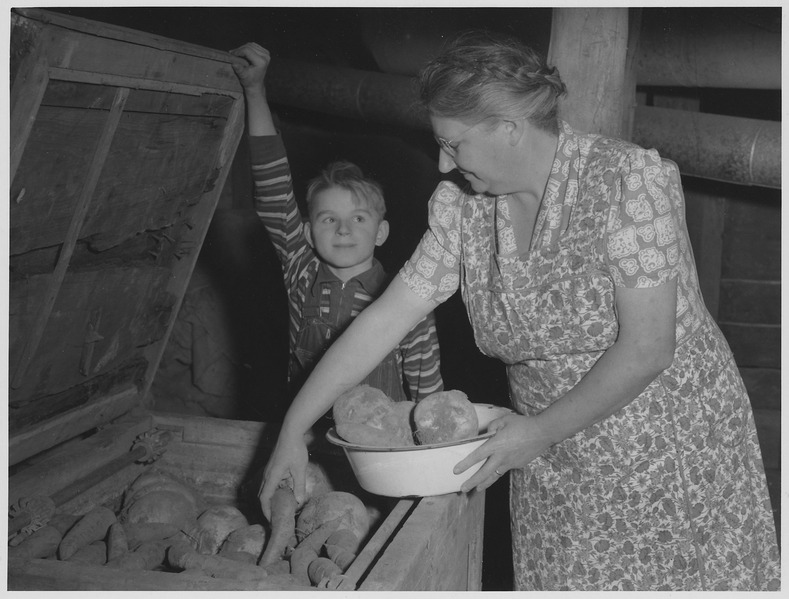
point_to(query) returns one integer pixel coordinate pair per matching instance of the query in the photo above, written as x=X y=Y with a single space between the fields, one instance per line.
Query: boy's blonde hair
x=347 y=175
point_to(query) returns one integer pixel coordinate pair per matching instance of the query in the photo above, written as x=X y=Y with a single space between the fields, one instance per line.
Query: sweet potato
x=93 y=526
x=158 y=481
x=341 y=548
x=138 y=533
x=445 y=416
x=282 y=525
x=183 y=557
x=316 y=482
x=147 y=556
x=214 y=525
x=95 y=554
x=321 y=570
x=63 y=522
x=162 y=506
x=42 y=543
x=245 y=543
x=309 y=548
x=238 y=556
x=347 y=508
x=367 y=416
x=280 y=566
x=117 y=541
x=300 y=561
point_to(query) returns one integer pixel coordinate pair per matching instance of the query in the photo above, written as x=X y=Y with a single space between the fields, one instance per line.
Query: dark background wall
x=237 y=289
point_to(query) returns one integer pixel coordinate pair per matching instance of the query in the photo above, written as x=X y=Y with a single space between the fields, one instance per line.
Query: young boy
x=330 y=271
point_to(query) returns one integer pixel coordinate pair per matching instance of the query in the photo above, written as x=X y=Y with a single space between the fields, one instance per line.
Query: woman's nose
x=445 y=162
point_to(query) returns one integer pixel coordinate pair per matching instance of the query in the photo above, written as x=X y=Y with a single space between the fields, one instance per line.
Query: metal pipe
x=712 y=146
x=736 y=150
x=684 y=47
x=730 y=49
x=340 y=91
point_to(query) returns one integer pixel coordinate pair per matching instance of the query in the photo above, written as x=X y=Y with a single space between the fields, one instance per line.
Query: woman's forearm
x=363 y=345
x=644 y=348
x=616 y=379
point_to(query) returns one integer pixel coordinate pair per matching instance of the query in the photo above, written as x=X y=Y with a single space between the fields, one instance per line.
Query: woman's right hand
x=251 y=66
x=288 y=465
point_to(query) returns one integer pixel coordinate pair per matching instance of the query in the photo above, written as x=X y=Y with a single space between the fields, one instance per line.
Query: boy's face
x=343 y=233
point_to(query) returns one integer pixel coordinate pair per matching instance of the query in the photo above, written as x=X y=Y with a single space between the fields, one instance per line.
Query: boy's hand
x=251 y=65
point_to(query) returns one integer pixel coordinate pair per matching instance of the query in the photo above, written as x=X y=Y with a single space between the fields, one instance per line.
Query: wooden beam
x=194 y=236
x=68 y=464
x=70 y=241
x=589 y=46
x=409 y=562
x=137 y=83
x=26 y=94
x=54 y=575
x=705 y=216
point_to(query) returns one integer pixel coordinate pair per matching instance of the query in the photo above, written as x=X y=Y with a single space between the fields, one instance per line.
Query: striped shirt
x=305 y=274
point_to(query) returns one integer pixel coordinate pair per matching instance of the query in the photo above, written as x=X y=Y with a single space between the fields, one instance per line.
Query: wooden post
x=593 y=52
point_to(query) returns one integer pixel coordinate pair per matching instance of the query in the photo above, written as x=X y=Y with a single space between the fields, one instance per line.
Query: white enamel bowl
x=421 y=470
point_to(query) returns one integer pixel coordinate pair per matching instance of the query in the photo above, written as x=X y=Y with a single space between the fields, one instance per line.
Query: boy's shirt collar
x=370 y=280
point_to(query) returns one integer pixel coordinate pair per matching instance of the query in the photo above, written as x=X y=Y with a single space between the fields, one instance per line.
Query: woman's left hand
x=518 y=440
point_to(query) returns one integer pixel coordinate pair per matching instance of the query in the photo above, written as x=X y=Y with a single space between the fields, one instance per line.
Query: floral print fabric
x=669 y=493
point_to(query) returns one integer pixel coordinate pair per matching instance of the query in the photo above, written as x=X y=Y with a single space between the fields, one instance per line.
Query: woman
x=633 y=455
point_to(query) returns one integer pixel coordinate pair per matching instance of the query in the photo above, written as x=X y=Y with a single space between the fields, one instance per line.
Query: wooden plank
x=67 y=425
x=228 y=459
x=752 y=238
x=453 y=523
x=200 y=216
x=108 y=492
x=133 y=305
x=26 y=93
x=126 y=204
x=590 y=48
x=76 y=51
x=207 y=430
x=54 y=139
x=218 y=431
x=136 y=83
x=99 y=157
x=369 y=553
x=54 y=575
x=60 y=469
x=704 y=214
x=754 y=345
x=69 y=91
x=764 y=387
x=750 y=302
x=117 y=32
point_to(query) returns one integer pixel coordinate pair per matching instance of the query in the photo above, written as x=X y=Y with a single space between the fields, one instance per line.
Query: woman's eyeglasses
x=450 y=145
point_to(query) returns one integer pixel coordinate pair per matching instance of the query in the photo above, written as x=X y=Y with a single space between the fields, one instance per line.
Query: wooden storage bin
x=428 y=544
x=120 y=146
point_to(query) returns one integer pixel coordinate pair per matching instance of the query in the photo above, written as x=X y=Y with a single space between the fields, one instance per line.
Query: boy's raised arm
x=250 y=66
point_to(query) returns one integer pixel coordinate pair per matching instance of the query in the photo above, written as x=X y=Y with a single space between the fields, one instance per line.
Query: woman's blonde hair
x=481 y=75
x=349 y=176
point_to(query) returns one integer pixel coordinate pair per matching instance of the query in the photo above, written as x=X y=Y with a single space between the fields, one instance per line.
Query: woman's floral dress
x=669 y=493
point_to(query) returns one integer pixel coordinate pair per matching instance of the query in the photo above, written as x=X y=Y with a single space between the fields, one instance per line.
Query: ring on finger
x=497 y=472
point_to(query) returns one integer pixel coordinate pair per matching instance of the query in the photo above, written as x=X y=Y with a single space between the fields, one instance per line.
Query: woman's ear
x=515 y=129
x=383 y=232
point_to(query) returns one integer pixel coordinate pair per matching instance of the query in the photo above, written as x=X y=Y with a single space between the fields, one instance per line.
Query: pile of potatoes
x=164 y=524
x=367 y=416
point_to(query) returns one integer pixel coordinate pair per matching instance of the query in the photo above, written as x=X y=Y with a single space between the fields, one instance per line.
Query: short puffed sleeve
x=644 y=222
x=433 y=271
